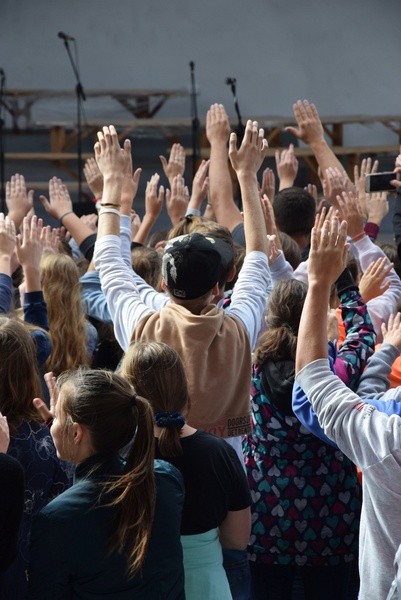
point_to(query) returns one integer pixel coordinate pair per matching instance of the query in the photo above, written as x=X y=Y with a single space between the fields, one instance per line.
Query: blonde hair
x=156 y=371
x=67 y=323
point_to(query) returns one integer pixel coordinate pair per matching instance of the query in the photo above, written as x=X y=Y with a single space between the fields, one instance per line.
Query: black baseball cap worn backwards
x=193 y=263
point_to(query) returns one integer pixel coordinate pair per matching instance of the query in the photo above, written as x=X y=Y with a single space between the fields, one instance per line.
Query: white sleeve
x=281 y=269
x=383 y=306
x=153 y=300
x=118 y=284
x=363 y=433
x=301 y=272
x=248 y=301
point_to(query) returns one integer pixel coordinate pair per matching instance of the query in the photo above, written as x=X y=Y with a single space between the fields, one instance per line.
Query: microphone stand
x=81 y=97
x=195 y=121
x=2 y=158
x=232 y=82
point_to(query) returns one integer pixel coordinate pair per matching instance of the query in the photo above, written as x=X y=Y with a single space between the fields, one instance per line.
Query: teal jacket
x=70 y=556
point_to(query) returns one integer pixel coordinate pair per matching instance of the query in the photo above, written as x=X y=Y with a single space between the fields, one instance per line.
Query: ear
x=232 y=273
x=79 y=433
x=215 y=291
x=164 y=286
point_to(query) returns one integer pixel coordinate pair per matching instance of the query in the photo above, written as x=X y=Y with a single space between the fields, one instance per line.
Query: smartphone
x=380 y=182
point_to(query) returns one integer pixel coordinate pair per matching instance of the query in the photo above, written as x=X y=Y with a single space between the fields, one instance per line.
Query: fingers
x=44 y=412
x=52 y=387
x=232 y=149
x=137 y=176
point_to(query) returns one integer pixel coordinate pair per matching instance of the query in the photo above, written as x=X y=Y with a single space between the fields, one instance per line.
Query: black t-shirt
x=215 y=481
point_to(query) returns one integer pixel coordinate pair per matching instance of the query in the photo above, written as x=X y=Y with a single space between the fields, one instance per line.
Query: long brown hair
x=106 y=404
x=283 y=316
x=156 y=371
x=67 y=324
x=19 y=377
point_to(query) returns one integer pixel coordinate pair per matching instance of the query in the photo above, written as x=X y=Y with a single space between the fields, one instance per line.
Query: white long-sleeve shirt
x=129 y=298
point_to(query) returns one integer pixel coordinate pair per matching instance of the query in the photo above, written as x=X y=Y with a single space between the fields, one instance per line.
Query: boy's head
x=193 y=264
x=294 y=212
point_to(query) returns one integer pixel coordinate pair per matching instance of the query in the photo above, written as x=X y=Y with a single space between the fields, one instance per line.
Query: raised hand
x=59 y=203
x=373 y=282
x=367 y=167
x=46 y=414
x=19 y=202
x=177 y=199
x=90 y=221
x=30 y=243
x=335 y=184
x=217 y=124
x=327 y=257
x=175 y=164
x=270 y=221
x=94 y=178
x=248 y=158
x=312 y=190
x=287 y=166
x=310 y=128
x=392 y=333
x=154 y=198
x=268 y=186
x=200 y=185
x=350 y=210
x=130 y=184
x=50 y=238
x=7 y=236
x=112 y=160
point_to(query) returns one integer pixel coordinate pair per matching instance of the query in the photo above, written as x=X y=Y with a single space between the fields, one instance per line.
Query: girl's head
x=283 y=316
x=157 y=373
x=62 y=292
x=19 y=377
x=98 y=413
x=103 y=404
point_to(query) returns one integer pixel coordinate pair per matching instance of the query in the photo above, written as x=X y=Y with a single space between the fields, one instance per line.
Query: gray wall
x=343 y=55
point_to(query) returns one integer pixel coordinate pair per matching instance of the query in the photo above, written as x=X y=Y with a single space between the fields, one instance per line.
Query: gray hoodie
x=372 y=440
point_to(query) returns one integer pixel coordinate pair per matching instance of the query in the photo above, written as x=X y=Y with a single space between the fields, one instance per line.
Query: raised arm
x=287 y=167
x=125 y=306
x=154 y=199
x=7 y=245
x=250 y=293
x=220 y=185
x=246 y=161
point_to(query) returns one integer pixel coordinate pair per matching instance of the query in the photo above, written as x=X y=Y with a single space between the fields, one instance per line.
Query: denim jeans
x=235 y=563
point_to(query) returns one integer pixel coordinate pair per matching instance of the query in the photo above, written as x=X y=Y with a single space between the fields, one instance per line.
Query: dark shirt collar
x=97 y=467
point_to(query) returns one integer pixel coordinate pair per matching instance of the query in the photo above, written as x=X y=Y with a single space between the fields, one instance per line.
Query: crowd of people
x=210 y=412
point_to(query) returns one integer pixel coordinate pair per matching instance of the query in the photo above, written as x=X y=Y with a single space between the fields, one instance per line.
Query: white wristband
x=112 y=211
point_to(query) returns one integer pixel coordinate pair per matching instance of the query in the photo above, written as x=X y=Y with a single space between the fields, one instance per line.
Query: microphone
x=231 y=81
x=65 y=37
